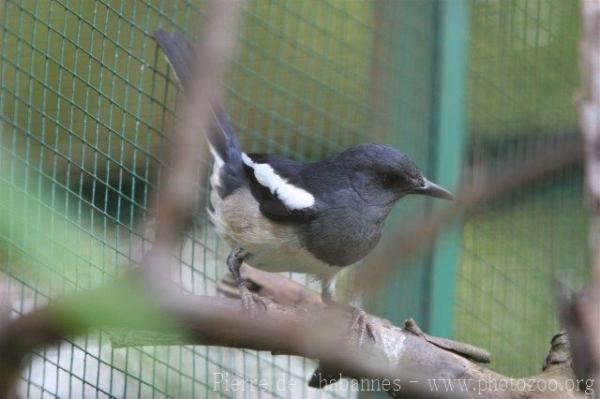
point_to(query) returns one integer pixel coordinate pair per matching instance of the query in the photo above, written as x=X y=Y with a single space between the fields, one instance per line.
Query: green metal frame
x=449 y=129
x=430 y=126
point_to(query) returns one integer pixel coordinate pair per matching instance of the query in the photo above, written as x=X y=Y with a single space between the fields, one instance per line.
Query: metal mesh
x=404 y=107
x=522 y=81
x=86 y=98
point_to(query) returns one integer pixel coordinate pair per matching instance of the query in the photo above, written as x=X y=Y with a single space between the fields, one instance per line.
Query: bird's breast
x=273 y=246
x=342 y=236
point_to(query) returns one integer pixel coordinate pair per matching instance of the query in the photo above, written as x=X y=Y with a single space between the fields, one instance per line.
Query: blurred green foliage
x=79 y=80
x=523 y=77
x=300 y=82
x=41 y=244
x=511 y=256
x=523 y=68
x=46 y=248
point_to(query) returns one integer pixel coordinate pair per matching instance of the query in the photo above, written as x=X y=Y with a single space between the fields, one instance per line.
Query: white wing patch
x=215 y=179
x=292 y=197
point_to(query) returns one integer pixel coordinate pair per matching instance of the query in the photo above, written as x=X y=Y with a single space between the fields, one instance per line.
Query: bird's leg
x=234 y=263
x=360 y=321
x=249 y=299
x=328 y=289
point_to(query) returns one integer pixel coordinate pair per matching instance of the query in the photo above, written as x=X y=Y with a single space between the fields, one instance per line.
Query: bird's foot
x=364 y=326
x=250 y=300
x=360 y=323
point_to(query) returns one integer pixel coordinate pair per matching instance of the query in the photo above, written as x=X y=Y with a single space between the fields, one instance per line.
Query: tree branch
x=400 y=356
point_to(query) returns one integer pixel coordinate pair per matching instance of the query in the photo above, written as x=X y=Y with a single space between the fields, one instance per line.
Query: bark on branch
x=400 y=356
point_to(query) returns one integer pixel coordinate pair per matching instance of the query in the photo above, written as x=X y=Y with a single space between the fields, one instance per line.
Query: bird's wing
x=276 y=184
x=274 y=181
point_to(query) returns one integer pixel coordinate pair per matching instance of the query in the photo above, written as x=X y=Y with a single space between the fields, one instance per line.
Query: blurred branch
x=321 y=334
x=404 y=361
x=581 y=314
x=402 y=355
x=177 y=197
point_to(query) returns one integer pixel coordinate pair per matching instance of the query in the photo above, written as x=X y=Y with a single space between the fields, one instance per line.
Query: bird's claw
x=251 y=299
x=364 y=326
x=360 y=323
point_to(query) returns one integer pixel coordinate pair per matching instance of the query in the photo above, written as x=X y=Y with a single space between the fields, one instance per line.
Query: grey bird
x=281 y=215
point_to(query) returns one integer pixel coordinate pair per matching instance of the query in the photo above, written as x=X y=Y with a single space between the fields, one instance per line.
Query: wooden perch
x=401 y=356
x=297 y=323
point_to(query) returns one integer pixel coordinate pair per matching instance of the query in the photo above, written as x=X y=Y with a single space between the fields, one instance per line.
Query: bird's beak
x=433 y=190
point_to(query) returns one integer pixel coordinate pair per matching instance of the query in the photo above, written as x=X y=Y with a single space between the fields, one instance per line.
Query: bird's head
x=381 y=174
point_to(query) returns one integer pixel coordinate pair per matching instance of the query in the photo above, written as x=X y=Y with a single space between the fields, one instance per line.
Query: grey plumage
x=356 y=190
x=294 y=216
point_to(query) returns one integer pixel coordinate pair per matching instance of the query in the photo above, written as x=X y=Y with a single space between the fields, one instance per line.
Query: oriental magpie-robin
x=283 y=215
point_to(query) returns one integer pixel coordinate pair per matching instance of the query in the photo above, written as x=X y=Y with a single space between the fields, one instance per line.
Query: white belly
x=273 y=246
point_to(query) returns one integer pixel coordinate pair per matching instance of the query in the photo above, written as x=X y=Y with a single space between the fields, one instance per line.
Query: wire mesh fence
x=86 y=101
x=523 y=78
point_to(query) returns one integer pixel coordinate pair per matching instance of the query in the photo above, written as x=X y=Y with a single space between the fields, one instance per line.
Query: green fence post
x=428 y=50
x=450 y=127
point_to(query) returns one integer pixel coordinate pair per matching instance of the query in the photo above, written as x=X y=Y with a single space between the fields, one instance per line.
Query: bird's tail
x=225 y=148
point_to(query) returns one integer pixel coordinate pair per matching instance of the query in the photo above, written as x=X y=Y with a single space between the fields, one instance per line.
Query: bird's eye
x=390 y=178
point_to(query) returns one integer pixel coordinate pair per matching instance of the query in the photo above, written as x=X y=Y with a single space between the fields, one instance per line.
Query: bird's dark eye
x=390 y=178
